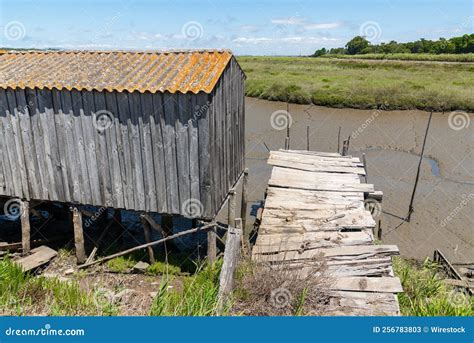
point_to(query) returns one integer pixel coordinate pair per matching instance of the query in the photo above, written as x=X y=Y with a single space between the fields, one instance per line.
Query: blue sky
x=259 y=27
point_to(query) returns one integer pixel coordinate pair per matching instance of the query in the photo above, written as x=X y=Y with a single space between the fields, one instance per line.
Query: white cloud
x=323 y=26
x=295 y=20
x=289 y=40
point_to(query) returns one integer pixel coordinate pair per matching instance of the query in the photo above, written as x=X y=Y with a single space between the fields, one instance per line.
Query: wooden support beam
x=147 y=233
x=345 y=147
x=78 y=235
x=25 y=226
x=231 y=258
x=231 y=209
x=364 y=161
x=244 y=204
x=212 y=246
x=151 y=244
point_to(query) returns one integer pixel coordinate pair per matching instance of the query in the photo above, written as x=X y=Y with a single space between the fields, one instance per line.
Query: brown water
x=392 y=140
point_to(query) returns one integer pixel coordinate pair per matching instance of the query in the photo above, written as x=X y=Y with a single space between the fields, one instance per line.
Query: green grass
x=198 y=296
x=360 y=84
x=24 y=294
x=408 y=57
x=425 y=294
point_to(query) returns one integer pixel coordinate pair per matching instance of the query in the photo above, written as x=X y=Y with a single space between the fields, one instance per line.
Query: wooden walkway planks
x=315 y=209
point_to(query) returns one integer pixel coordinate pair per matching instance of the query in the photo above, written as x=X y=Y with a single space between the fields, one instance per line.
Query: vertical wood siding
x=160 y=150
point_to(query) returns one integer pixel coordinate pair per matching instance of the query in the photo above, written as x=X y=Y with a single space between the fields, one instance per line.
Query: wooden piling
x=231 y=258
x=212 y=246
x=25 y=226
x=231 y=208
x=379 y=231
x=365 y=166
x=307 y=137
x=339 y=140
x=78 y=235
x=345 y=147
x=244 y=204
x=147 y=233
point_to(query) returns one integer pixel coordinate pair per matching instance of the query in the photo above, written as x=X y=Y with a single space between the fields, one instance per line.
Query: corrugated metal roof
x=174 y=71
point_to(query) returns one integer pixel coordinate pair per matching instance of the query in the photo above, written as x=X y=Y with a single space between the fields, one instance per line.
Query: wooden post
x=25 y=226
x=379 y=231
x=231 y=258
x=78 y=235
x=307 y=137
x=243 y=207
x=147 y=233
x=212 y=246
x=339 y=140
x=99 y=240
x=365 y=166
x=288 y=125
x=345 y=147
x=231 y=209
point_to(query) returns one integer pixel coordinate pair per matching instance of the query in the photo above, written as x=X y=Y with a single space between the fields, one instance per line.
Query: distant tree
x=356 y=45
x=338 y=51
x=320 y=52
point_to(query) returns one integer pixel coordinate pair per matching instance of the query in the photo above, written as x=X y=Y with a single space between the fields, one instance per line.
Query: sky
x=258 y=27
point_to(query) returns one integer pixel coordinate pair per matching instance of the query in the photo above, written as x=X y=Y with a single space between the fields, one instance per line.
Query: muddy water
x=391 y=140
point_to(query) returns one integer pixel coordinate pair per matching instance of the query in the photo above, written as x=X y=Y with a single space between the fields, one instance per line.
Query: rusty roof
x=173 y=71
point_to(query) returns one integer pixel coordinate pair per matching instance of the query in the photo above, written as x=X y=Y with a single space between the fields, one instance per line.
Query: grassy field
x=361 y=84
x=408 y=57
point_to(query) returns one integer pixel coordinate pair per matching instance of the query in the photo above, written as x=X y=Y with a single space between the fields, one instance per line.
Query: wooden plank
x=362 y=304
x=124 y=123
x=316 y=158
x=136 y=152
x=281 y=243
x=113 y=150
x=301 y=183
x=48 y=124
x=38 y=257
x=17 y=146
x=159 y=153
x=80 y=145
x=90 y=135
x=367 y=284
x=25 y=110
x=182 y=146
x=70 y=149
x=194 y=148
x=206 y=155
x=337 y=253
x=8 y=183
x=169 y=140
x=312 y=153
x=315 y=168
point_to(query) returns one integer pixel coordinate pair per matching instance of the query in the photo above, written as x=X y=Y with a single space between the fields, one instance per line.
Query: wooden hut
x=155 y=132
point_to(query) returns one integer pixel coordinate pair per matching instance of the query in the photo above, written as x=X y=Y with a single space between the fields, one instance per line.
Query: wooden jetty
x=316 y=208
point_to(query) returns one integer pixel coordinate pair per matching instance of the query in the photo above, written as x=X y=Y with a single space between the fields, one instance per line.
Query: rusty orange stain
x=175 y=71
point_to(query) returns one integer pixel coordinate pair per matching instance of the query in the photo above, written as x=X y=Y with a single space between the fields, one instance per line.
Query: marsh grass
x=198 y=296
x=359 y=83
x=408 y=57
x=425 y=293
x=25 y=294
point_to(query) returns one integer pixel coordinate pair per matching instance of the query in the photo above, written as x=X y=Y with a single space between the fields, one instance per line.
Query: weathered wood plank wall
x=158 y=151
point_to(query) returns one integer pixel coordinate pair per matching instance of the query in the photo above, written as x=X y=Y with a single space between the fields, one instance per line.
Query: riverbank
x=361 y=84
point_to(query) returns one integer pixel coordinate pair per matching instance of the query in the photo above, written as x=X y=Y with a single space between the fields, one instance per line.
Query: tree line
x=359 y=45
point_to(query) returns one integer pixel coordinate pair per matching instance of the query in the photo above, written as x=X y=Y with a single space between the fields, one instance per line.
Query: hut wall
x=147 y=160
x=227 y=132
